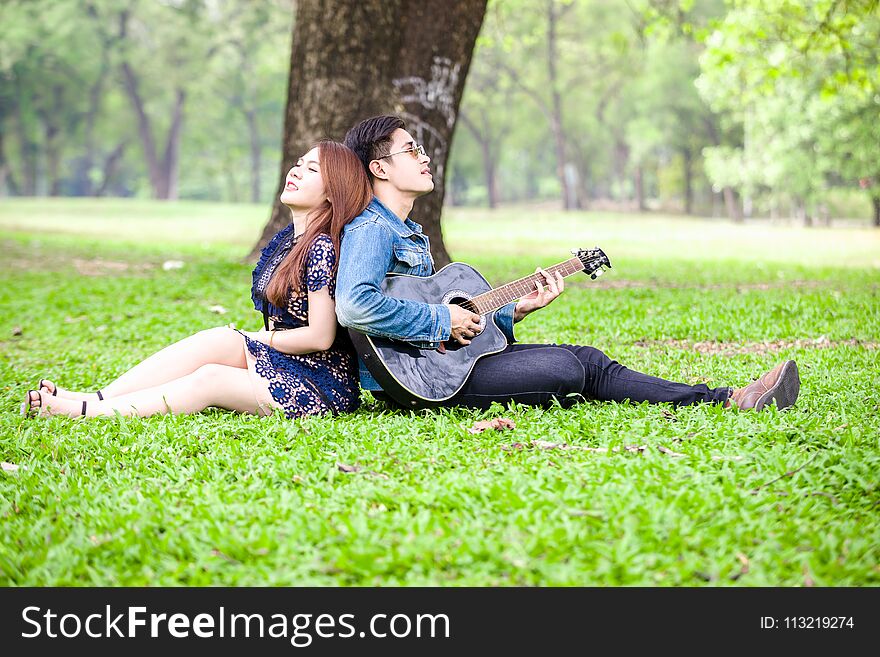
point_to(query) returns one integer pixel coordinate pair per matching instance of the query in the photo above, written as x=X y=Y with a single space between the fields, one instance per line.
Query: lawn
x=601 y=494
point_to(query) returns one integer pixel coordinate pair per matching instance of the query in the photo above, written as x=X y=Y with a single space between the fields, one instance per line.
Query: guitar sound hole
x=455 y=345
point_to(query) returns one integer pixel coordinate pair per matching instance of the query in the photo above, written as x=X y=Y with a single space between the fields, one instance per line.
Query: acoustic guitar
x=424 y=378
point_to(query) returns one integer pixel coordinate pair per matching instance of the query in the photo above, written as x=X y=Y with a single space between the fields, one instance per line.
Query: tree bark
x=171 y=159
x=875 y=200
x=569 y=198
x=96 y=97
x=639 y=184
x=688 y=181
x=28 y=148
x=256 y=154
x=109 y=170
x=163 y=173
x=7 y=179
x=399 y=66
x=730 y=202
x=51 y=132
x=732 y=206
x=429 y=80
x=483 y=137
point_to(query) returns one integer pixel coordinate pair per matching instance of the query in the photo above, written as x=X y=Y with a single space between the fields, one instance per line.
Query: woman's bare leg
x=221 y=345
x=224 y=386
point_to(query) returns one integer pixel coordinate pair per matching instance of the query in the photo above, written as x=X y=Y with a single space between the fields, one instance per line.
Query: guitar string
x=522 y=286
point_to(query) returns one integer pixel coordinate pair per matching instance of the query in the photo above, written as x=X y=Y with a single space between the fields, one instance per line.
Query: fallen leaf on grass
x=351 y=469
x=808 y=579
x=220 y=310
x=744 y=560
x=16 y=330
x=9 y=467
x=497 y=423
x=217 y=553
x=666 y=450
x=507 y=448
x=543 y=444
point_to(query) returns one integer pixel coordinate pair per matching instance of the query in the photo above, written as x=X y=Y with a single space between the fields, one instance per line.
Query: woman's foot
x=50 y=388
x=40 y=403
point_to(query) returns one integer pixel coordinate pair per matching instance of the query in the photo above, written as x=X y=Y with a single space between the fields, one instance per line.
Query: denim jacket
x=376 y=243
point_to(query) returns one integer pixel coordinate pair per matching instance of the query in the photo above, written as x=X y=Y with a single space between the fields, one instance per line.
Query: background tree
x=339 y=76
x=784 y=123
x=802 y=80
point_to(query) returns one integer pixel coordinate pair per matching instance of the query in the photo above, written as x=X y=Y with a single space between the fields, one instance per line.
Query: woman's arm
x=317 y=336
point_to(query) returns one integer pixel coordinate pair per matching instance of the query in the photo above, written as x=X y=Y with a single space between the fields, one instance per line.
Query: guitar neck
x=503 y=295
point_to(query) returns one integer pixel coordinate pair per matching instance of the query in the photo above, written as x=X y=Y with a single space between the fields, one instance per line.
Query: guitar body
x=423 y=378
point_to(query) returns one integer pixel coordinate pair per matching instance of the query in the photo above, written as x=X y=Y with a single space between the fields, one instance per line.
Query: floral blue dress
x=301 y=384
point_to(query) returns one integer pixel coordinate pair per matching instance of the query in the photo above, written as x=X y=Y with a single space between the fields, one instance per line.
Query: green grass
x=787 y=499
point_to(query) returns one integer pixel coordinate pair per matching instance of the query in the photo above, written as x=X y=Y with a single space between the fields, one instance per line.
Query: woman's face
x=304 y=186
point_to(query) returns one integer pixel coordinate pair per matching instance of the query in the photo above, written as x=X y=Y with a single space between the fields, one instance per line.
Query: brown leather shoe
x=781 y=385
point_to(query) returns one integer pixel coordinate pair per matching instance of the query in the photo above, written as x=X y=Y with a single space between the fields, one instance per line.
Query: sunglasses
x=416 y=150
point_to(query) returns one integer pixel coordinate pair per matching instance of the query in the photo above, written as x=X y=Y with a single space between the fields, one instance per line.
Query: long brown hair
x=348 y=193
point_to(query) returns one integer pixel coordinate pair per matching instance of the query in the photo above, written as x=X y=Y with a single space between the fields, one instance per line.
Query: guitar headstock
x=594 y=260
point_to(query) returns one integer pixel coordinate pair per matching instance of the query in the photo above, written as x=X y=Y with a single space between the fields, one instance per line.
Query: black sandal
x=27 y=409
x=55 y=392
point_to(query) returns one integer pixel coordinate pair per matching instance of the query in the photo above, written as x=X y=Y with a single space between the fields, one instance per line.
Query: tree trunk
x=621 y=160
x=640 y=189
x=111 y=163
x=163 y=173
x=28 y=149
x=337 y=77
x=399 y=66
x=256 y=154
x=730 y=202
x=145 y=128
x=875 y=200
x=51 y=132
x=484 y=140
x=569 y=198
x=110 y=166
x=7 y=179
x=96 y=96
x=732 y=206
x=171 y=159
x=688 y=181
x=429 y=79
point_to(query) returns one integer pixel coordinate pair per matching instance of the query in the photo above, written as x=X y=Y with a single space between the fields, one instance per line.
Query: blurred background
x=740 y=109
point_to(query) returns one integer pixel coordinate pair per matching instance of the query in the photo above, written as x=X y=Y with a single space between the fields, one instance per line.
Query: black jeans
x=536 y=374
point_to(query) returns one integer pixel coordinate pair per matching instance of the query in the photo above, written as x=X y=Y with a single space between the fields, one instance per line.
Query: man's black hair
x=371 y=138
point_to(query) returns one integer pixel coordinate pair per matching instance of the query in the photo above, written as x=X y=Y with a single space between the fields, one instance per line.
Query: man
x=383 y=239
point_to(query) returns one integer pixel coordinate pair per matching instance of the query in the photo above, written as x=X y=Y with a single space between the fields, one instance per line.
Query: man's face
x=405 y=168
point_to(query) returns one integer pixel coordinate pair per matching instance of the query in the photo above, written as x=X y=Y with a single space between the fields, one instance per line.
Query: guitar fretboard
x=501 y=296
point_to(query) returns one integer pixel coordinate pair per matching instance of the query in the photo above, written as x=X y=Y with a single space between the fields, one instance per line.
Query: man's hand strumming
x=465 y=324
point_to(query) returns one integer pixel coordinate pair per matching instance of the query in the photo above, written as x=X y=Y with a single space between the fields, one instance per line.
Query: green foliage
x=60 y=70
x=769 y=499
x=777 y=100
x=803 y=80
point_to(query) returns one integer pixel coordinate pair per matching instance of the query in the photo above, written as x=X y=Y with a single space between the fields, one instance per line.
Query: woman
x=299 y=363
